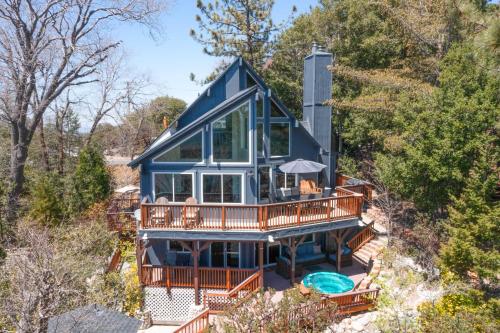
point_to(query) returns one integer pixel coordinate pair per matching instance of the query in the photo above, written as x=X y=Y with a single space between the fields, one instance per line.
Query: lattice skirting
x=170 y=306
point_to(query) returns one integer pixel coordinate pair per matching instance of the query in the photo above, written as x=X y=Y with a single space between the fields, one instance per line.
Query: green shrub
x=460 y=312
x=47 y=204
x=91 y=181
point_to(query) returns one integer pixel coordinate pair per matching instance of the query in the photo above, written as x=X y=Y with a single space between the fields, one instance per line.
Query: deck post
x=196 y=255
x=138 y=255
x=261 y=264
x=339 y=236
x=291 y=243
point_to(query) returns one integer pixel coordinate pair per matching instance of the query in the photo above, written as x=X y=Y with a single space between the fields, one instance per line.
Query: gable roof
x=93 y=318
x=152 y=150
x=171 y=133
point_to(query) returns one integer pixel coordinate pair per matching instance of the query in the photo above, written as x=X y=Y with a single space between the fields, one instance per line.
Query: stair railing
x=361 y=238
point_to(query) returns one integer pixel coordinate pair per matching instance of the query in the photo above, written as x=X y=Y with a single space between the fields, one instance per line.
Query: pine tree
x=91 y=181
x=474 y=224
x=229 y=28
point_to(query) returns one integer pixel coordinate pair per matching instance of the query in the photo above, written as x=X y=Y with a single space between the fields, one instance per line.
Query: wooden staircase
x=367 y=243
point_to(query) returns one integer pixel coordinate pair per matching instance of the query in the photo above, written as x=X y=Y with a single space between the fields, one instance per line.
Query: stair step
x=361 y=259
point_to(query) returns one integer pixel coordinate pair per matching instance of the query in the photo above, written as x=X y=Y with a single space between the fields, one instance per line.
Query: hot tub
x=328 y=282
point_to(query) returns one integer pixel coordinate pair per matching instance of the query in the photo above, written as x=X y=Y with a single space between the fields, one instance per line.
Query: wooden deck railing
x=221 y=301
x=251 y=217
x=120 y=213
x=366 y=188
x=346 y=304
x=355 y=301
x=361 y=238
x=195 y=325
x=183 y=276
x=115 y=261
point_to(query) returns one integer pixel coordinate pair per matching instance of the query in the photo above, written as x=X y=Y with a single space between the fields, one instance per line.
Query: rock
x=357 y=326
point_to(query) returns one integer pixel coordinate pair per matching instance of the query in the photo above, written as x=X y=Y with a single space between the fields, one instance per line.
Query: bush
x=91 y=181
x=47 y=206
x=133 y=292
x=460 y=312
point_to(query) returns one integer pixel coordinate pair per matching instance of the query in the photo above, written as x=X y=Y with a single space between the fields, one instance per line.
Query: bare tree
x=45 y=48
x=52 y=272
x=109 y=93
x=388 y=203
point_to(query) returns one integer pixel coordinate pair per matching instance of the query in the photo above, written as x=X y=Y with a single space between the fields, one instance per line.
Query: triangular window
x=276 y=111
x=188 y=151
x=250 y=81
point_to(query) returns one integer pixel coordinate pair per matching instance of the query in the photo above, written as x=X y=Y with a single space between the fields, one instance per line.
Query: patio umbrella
x=128 y=188
x=302 y=166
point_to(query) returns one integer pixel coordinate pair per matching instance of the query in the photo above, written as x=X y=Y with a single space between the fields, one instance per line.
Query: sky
x=169 y=61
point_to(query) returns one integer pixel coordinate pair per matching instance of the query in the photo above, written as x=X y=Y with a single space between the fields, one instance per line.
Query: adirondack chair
x=161 y=215
x=191 y=214
x=308 y=186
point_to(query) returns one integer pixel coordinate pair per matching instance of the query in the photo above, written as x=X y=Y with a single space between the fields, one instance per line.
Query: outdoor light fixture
x=270 y=239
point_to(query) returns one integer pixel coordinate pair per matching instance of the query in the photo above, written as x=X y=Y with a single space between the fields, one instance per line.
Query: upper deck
x=342 y=205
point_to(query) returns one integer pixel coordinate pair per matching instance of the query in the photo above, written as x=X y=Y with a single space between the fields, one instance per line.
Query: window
x=230 y=136
x=250 y=81
x=189 y=150
x=260 y=139
x=264 y=183
x=260 y=106
x=176 y=246
x=176 y=187
x=225 y=254
x=280 y=137
x=232 y=254
x=286 y=180
x=276 y=111
x=222 y=188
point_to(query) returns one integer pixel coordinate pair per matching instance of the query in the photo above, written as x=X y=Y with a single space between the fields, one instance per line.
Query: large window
x=189 y=150
x=176 y=187
x=230 y=136
x=280 y=139
x=222 y=188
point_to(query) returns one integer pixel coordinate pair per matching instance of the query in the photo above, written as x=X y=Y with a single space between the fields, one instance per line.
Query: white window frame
x=173 y=185
x=289 y=137
x=249 y=136
x=202 y=162
x=241 y=174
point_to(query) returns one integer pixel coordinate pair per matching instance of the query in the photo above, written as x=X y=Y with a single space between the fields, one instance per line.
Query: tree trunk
x=60 y=144
x=45 y=152
x=18 y=157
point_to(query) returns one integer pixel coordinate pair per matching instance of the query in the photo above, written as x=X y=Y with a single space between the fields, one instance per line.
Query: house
x=217 y=210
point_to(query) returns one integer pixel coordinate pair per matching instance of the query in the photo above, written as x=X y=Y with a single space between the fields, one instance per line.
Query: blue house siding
x=310 y=141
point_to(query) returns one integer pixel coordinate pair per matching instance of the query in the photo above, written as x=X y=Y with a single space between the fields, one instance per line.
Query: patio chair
x=308 y=186
x=295 y=193
x=286 y=193
x=161 y=215
x=191 y=214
